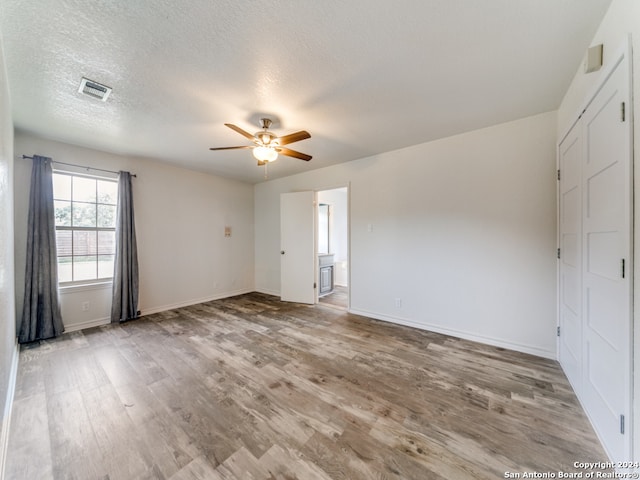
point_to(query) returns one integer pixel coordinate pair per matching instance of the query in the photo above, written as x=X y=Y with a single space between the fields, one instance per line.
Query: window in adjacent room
x=85 y=214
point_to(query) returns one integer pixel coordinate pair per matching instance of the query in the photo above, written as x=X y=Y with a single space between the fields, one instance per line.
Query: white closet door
x=297 y=243
x=607 y=265
x=570 y=241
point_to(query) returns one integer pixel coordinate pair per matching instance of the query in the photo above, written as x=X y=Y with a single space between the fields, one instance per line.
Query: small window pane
x=106 y=243
x=84 y=214
x=85 y=242
x=62 y=213
x=107 y=192
x=84 y=189
x=65 y=272
x=85 y=268
x=63 y=243
x=105 y=266
x=61 y=187
x=106 y=216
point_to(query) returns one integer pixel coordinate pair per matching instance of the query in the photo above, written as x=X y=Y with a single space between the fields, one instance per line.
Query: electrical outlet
x=398 y=303
x=85 y=306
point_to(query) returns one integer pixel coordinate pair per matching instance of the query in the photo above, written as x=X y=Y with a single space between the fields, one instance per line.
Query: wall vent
x=593 y=60
x=94 y=89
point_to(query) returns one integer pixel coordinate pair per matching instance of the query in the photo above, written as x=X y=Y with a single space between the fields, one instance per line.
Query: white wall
x=622 y=19
x=338 y=231
x=183 y=254
x=462 y=230
x=8 y=350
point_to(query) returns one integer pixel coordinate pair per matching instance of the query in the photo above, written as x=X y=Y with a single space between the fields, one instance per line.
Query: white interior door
x=570 y=241
x=297 y=247
x=607 y=263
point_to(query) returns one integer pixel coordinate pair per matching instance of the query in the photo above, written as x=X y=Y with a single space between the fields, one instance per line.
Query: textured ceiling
x=363 y=77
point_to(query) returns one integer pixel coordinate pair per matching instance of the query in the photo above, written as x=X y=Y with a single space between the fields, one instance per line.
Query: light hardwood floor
x=339 y=298
x=252 y=388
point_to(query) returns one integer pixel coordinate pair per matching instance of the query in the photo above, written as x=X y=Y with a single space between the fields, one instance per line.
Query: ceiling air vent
x=94 y=89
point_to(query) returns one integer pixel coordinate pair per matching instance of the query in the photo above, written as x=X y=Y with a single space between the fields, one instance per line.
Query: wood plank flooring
x=252 y=388
x=339 y=298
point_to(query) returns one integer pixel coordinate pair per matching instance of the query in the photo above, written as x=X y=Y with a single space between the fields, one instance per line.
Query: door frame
x=346 y=185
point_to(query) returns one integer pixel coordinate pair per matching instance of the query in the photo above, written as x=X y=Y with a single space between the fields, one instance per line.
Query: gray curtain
x=41 y=316
x=124 y=305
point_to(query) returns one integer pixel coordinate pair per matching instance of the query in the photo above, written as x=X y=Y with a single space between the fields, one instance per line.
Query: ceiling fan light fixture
x=265 y=154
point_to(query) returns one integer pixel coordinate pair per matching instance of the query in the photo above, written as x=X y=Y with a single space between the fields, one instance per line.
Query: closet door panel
x=606 y=240
x=570 y=268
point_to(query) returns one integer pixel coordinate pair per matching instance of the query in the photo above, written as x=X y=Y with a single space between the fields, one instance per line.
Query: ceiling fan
x=266 y=145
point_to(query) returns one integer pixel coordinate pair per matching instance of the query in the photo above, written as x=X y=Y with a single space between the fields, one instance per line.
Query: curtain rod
x=80 y=166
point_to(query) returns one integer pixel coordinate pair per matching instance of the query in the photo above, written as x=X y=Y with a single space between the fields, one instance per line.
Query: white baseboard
x=195 y=301
x=149 y=311
x=266 y=291
x=586 y=411
x=496 y=342
x=74 y=327
x=6 y=419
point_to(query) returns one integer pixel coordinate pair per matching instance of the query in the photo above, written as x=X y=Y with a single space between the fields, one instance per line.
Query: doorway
x=332 y=247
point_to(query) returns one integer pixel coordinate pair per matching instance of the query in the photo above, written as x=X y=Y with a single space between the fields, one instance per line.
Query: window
x=85 y=213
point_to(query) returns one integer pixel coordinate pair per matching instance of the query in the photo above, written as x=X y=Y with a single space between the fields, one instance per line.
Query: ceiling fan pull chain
x=265 y=170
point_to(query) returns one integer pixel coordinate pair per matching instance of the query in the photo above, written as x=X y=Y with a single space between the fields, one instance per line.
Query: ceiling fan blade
x=292 y=153
x=240 y=131
x=294 y=137
x=230 y=148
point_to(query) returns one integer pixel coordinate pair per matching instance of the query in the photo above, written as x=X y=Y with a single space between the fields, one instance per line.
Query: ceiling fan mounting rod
x=266 y=123
x=265 y=138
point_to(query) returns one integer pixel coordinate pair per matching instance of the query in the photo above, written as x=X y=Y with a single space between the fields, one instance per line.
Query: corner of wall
x=6 y=419
x=8 y=342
